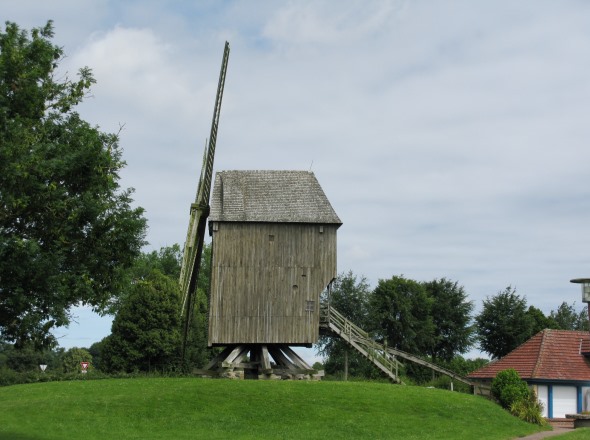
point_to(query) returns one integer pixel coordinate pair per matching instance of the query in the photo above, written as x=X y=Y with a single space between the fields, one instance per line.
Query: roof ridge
x=538 y=361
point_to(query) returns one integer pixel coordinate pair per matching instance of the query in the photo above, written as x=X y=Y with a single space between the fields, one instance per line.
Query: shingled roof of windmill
x=270 y=196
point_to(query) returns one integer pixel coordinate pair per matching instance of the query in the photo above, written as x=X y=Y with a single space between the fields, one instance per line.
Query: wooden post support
x=230 y=363
x=345 y=365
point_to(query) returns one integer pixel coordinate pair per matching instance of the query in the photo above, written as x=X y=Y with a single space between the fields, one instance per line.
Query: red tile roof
x=550 y=354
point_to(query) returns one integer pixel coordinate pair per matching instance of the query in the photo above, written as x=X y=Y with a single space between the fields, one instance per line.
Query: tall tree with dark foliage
x=68 y=231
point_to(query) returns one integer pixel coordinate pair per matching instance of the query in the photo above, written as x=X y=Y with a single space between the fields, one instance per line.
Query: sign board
x=84 y=366
x=43 y=367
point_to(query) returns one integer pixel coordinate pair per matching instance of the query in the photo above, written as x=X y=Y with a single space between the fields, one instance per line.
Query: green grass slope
x=165 y=408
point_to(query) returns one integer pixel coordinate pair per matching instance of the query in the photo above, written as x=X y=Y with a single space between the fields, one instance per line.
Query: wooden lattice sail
x=199 y=211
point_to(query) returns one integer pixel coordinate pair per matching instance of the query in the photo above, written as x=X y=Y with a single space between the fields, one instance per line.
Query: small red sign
x=84 y=365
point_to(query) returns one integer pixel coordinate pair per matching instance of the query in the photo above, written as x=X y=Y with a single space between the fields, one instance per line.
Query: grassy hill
x=170 y=408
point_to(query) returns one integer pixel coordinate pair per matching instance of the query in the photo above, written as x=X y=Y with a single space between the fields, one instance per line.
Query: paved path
x=546 y=434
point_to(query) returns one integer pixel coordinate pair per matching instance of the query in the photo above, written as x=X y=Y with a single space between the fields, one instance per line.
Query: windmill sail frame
x=199 y=211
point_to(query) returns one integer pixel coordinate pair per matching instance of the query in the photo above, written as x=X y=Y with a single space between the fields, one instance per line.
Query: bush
x=508 y=387
x=529 y=409
x=514 y=395
x=24 y=360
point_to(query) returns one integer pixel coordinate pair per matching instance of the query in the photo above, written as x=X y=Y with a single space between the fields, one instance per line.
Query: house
x=556 y=364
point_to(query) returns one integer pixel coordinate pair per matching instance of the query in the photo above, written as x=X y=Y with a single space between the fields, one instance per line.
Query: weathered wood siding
x=266 y=279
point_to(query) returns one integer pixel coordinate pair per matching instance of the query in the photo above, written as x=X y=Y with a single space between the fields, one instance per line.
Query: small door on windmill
x=274 y=252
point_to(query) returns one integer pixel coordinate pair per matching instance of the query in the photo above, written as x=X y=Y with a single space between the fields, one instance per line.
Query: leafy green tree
x=95 y=351
x=463 y=366
x=68 y=232
x=146 y=330
x=503 y=323
x=568 y=318
x=451 y=315
x=401 y=315
x=167 y=260
x=198 y=354
x=343 y=358
x=24 y=359
x=350 y=297
x=5 y=349
x=73 y=357
x=27 y=358
x=540 y=321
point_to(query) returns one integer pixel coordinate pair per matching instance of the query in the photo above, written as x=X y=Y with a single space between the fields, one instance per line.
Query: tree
x=72 y=359
x=451 y=315
x=504 y=323
x=540 y=321
x=167 y=260
x=95 y=351
x=197 y=353
x=68 y=232
x=24 y=359
x=401 y=315
x=350 y=296
x=463 y=366
x=567 y=318
x=146 y=330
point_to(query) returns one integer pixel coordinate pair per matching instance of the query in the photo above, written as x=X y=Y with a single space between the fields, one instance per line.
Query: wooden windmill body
x=273 y=254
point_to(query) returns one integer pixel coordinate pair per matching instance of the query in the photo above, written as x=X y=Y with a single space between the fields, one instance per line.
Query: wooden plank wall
x=263 y=276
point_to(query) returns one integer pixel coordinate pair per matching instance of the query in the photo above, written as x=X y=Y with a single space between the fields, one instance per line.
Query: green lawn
x=577 y=434
x=164 y=408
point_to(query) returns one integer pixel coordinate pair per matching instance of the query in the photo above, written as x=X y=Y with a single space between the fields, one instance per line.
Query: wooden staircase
x=383 y=357
x=336 y=323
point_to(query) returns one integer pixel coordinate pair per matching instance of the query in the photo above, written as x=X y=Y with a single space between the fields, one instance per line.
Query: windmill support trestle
x=259 y=361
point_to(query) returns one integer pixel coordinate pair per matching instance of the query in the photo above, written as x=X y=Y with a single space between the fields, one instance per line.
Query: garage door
x=564 y=401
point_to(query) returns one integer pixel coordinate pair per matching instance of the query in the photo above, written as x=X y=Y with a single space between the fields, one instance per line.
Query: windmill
x=273 y=238
x=199 y=211
x=274 y=253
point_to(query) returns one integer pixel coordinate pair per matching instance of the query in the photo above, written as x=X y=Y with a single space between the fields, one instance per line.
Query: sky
x=450 y=137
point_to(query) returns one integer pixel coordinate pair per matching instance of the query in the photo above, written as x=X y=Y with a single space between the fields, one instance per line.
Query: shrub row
x=9 y=377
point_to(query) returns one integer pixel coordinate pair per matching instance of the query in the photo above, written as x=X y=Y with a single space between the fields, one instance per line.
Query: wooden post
x=345 y=365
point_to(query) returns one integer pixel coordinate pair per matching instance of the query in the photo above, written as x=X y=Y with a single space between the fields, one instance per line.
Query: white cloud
x=135 y=68
x=450 y=137
x=326 y=22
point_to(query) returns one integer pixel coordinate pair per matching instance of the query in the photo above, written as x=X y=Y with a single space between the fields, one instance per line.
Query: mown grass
x=577 y=434
x=182 y=408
